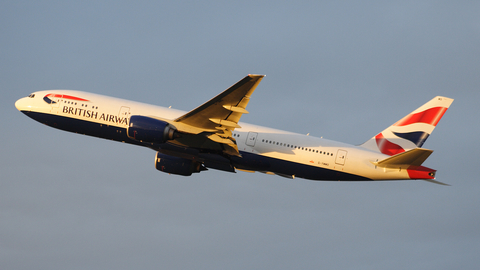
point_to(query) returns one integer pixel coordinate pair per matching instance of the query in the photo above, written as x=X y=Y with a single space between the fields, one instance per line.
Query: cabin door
x=341 y=157
x=251 y=138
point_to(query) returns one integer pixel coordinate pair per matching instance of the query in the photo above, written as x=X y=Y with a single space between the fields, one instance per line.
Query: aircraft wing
x=218 y=117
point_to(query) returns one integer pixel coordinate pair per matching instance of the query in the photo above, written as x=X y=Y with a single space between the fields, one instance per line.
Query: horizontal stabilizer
x=413 y=157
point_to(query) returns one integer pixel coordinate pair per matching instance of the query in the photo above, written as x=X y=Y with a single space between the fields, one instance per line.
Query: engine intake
x=147 y=129
x=177 y=165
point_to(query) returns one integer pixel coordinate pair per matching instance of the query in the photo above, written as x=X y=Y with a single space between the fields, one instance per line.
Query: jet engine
x=147 y=129
x=177 y=165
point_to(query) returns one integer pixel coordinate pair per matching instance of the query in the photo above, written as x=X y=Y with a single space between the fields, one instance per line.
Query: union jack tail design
x=411 y=131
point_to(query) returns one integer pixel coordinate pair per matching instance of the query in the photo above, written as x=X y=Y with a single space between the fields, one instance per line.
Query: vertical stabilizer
x=411 y=131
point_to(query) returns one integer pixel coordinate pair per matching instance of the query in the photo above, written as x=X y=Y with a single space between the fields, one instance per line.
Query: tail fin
x=411 y=131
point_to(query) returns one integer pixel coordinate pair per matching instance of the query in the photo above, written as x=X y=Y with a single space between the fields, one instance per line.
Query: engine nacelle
x=177 y=165
x=147 y=129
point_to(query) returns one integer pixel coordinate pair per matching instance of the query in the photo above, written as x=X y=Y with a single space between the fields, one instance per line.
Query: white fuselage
x=283 y=153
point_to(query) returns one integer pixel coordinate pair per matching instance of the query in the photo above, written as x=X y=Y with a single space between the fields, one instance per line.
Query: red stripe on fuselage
x=430 y=116
x=67 y=97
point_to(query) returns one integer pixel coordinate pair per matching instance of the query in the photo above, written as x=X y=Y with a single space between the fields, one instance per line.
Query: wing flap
x=217 y=138
x=226 y=123
x=235 y=109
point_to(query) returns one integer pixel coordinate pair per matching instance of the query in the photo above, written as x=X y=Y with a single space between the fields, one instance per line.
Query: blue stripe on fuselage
x=250 y=161
x=82 y=127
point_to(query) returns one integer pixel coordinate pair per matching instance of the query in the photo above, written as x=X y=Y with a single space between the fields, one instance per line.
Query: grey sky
x=343 y=70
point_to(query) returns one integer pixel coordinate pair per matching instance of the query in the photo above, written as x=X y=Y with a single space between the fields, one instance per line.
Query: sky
x=344 y=70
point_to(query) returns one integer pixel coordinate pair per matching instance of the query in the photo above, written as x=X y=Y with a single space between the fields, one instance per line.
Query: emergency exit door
x=341 y=157
x=251 y=138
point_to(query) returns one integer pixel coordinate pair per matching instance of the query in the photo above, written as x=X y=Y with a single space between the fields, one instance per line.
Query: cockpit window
x=49 y=101
x=31 y=95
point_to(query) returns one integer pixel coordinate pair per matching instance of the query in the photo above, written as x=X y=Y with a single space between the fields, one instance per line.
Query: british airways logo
x=84 y=112
x=415 y=133
x=48 y=98
x=95 y=115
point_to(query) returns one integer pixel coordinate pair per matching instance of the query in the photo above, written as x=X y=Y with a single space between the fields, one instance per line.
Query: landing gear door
x=341 y=157
x=251 y=138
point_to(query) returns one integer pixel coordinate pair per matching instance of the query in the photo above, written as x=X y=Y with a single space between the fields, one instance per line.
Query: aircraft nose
x=23 y=105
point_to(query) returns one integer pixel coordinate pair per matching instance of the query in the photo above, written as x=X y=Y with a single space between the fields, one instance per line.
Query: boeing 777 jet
x=211 y=136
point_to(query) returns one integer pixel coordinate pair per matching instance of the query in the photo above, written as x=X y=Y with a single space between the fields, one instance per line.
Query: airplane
x=211 y=136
